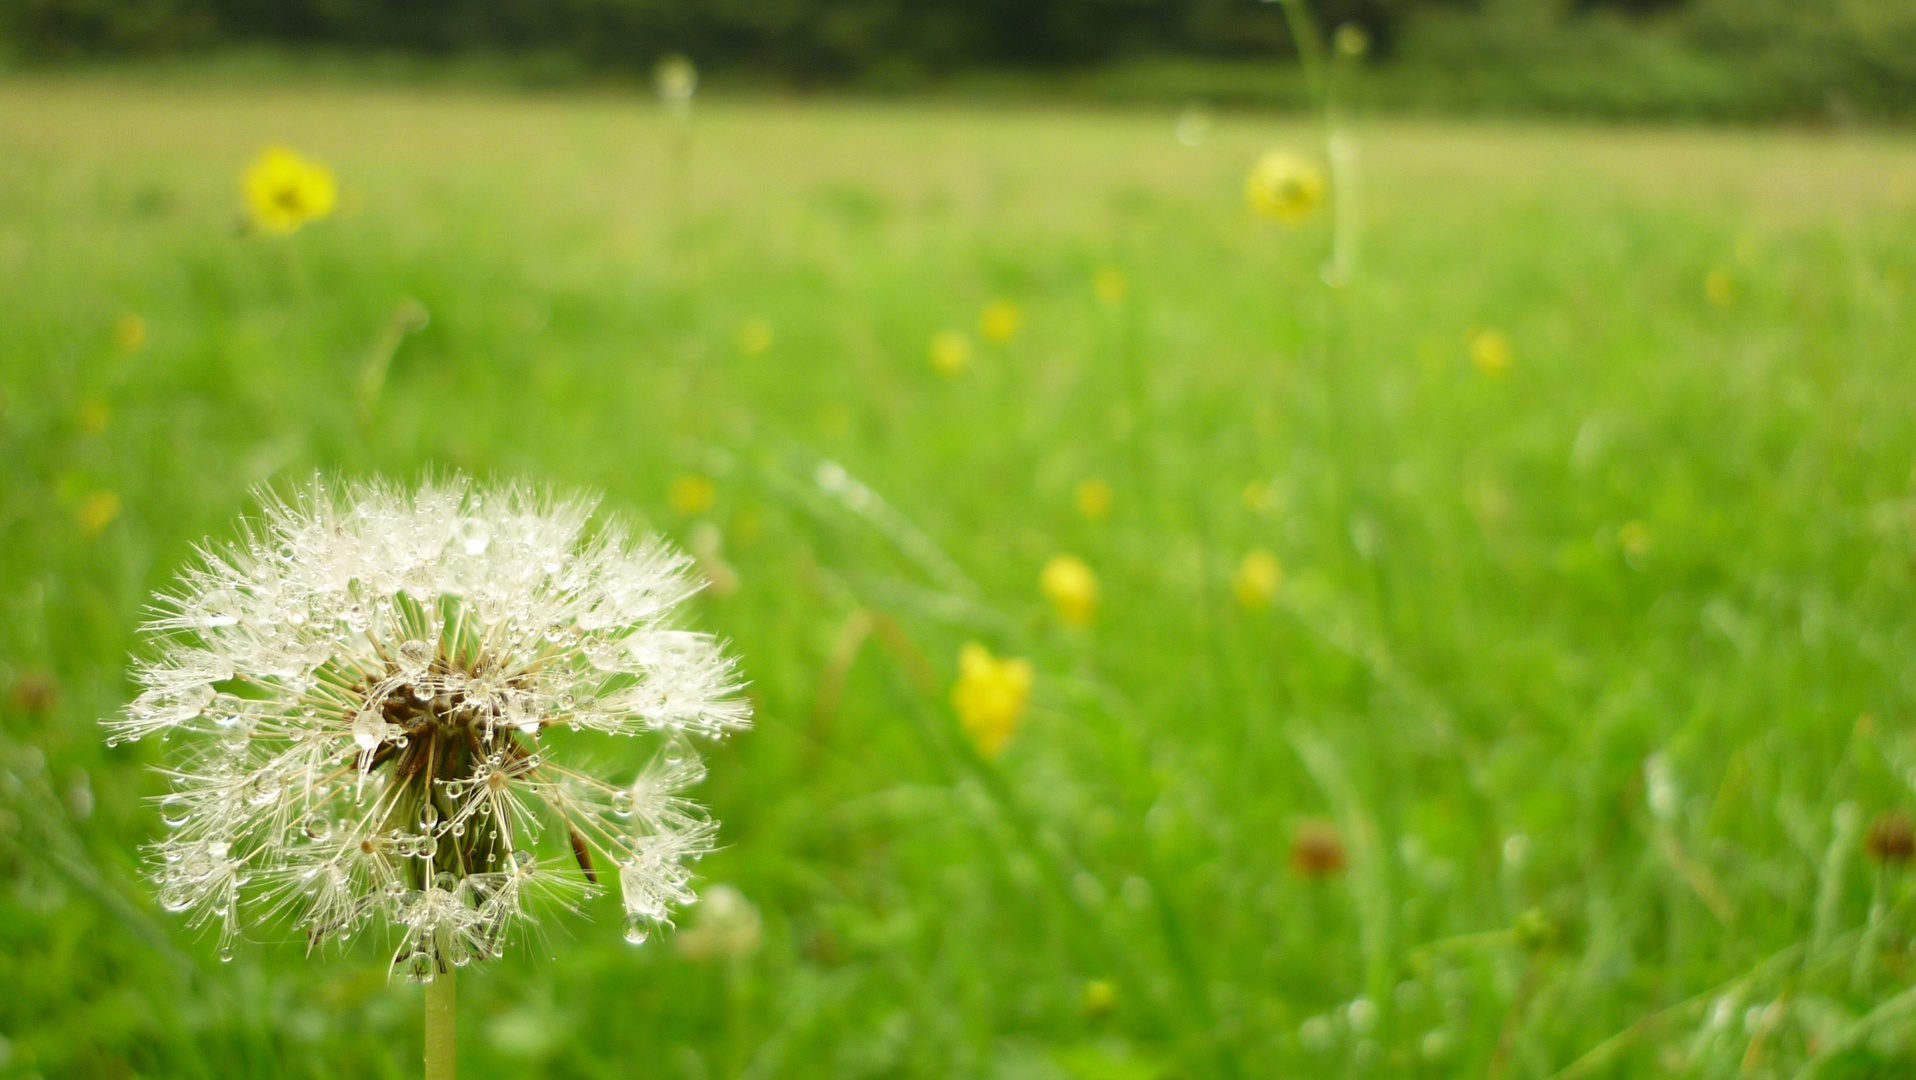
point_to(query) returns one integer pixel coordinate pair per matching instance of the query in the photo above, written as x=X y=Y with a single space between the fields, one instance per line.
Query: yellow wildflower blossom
x=950 y=353
x=999 y=322
x=1257 y=580
x=1094 y=499
x=1072 y=588
x=1719 y=288
x=130 y=332
x=1110 y=285
x=97 y=511
x=990 y=696
x=691 y=495
x=1490 y=350
x=284 y=191
x=754 y=336
x=1284 y=187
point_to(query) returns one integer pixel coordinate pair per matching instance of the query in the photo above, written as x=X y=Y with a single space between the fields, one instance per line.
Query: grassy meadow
x=1591 y=669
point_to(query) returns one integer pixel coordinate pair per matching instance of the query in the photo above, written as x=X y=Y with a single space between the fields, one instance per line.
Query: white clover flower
x=380 y=688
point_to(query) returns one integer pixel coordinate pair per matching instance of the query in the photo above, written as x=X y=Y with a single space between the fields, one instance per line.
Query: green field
x=1600 y=665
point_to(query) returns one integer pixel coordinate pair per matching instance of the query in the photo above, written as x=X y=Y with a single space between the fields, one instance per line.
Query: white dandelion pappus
x=373 y=679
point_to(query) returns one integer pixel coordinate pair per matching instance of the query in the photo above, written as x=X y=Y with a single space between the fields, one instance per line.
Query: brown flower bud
x=1891 y=837
x=1316 y=849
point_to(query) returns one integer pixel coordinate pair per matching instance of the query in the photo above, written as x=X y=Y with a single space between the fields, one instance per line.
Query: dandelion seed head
x=369 y=685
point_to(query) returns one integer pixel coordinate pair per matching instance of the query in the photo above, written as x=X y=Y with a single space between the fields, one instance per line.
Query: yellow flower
x=1099 y=996
x=1284 y=187
x=1719 y=288
x=950 y=353
x=999 y=322
x=130 y=332
x=97 y=511
x=691 y=495
x=991 y=696
x=1072 y=588
x=1110 y=285
x=1257 y=580
x=1490 y=351
x=1094 y=499
x=754 y=336
x=94 y=416
x=1634 y=539
x=284 y=191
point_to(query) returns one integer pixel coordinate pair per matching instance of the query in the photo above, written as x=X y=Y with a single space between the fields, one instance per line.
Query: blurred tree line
x=1720 y=57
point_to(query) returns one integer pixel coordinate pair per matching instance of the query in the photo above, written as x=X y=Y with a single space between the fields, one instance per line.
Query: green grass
x=1466 y=669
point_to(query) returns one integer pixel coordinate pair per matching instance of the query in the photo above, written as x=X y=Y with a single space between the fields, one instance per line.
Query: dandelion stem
x=442 y=1051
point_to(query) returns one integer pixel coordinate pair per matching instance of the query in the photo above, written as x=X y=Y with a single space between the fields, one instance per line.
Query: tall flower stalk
x=378 y=688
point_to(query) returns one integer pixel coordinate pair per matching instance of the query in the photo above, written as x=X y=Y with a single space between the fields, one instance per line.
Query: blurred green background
x=1573 y=739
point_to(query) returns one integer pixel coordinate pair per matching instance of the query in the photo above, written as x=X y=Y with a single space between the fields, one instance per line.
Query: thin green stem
x=442 y=1048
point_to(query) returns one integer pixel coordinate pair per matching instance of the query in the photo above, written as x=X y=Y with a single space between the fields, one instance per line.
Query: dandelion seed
x=1490 y=350
x=729 y=927
x=1193 y=125
x=1719 y=288
x=990 y=697
x=675 y=79
x=1110 y=285
x=950 y=353
x=754 y=337
x=1316 y=849
x=1094 y=499
x=1000 y=321
x=1257 y=580
x=400 y=656
x=129 y=333
x=1072 y=588
x=97 y=511
x=1891 y=837
x=1284 y=187
x=285 y=191
x=691 y=495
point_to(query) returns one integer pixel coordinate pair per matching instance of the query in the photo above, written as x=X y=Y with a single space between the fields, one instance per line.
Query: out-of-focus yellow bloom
x=1634 y=538
x=950 y=352
x=834 y=419
x=1257 y=580
x=1490 y=350
x=1094 y=499
x=1351 y=40
x=130 y=332
x=1284 y=187
x=97 y=511
x=1110 y=285
x=1719 y=288
x=1072 y=588
x=754 y=336
x=284 y=191
x=999 y=321
x=991 y=696
x=94 y=416
x=1099 y=997
x=691 y=495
